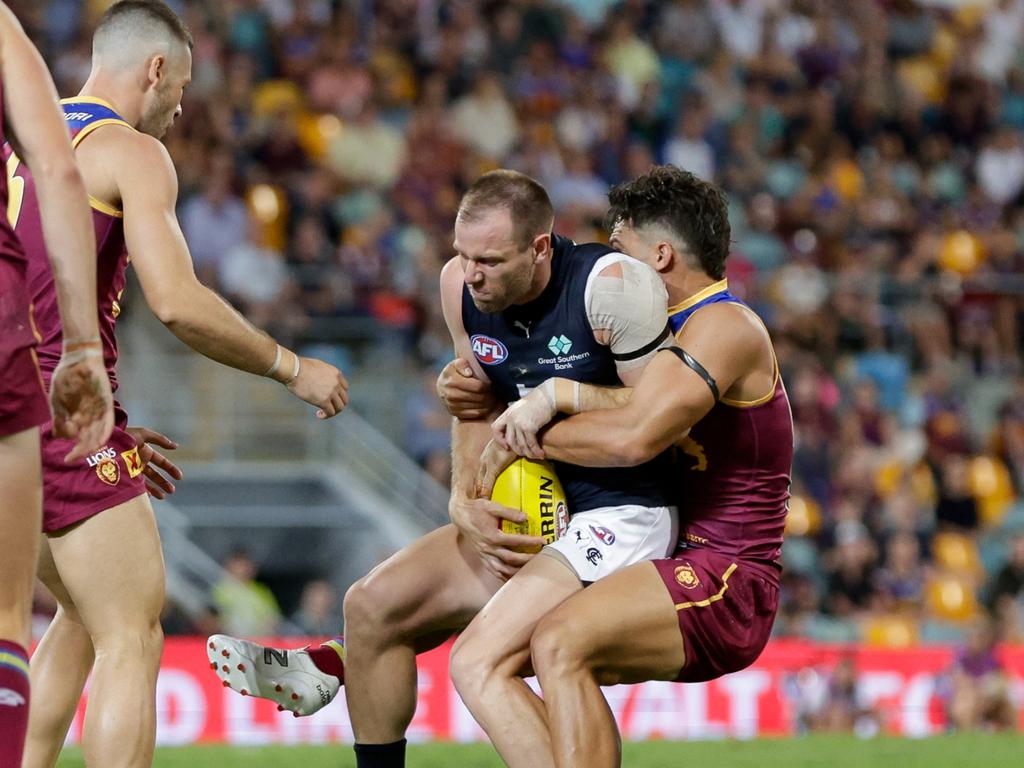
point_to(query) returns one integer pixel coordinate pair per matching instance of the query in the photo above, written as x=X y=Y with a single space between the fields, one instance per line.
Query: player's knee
x=67 y=614
x=142 y=639
x=555 y=645
x=469 y=666
x=369 y=611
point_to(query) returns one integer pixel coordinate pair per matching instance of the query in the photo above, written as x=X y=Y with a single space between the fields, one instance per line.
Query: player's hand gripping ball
x=533 y=487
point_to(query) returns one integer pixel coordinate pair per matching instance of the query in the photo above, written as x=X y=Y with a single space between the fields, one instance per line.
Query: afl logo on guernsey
x=487 y=350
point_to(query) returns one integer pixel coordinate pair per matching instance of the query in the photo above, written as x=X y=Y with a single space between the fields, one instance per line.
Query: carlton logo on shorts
x=594 y=555
x=108 y=472
x=487 y=350
x=605 y=536
x=687 y=577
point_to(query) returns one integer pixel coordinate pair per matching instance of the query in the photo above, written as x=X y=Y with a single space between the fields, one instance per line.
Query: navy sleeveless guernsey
x=551 y=336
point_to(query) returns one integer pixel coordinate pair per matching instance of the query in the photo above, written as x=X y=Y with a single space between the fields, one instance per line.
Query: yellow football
x=533 y=487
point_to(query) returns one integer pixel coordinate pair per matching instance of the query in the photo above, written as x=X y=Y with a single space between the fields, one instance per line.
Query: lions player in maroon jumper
x=103 y=560
x=81 y=399
x=708 y=610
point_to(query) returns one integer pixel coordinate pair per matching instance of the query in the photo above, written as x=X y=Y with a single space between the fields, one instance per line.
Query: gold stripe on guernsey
x=80 y=136
x=760 y=400
x=89 y=100
x=711 y=290
x=699 y=296
x=39 y=370
x=15 y=661
x=775 y=378
x=96 y=203
x=32 y=323
x=106 y=208
x=714 y=598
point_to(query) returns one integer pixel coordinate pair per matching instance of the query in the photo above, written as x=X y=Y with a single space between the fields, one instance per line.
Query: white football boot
x=289 y=678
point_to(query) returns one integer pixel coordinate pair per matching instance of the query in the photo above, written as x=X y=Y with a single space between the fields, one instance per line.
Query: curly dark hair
x=688 y=206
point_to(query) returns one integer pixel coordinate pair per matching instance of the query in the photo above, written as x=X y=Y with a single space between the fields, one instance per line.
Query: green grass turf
x=961 y=751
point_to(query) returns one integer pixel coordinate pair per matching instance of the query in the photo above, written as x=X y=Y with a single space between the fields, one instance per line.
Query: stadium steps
x=307 y=498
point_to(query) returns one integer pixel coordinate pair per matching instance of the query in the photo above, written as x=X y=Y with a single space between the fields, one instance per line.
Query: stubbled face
x=496 y=271
x=163 y=102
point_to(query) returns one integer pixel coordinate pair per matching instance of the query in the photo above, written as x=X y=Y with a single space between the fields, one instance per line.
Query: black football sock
x=381 y=755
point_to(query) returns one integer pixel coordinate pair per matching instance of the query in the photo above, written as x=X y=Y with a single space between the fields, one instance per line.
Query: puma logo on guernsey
x=270 y=655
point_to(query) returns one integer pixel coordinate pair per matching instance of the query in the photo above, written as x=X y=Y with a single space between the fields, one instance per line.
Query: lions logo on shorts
x=687 y=577
x=108 y=472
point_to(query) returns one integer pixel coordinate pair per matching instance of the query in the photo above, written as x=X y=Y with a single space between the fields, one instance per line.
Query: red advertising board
x=905 y=686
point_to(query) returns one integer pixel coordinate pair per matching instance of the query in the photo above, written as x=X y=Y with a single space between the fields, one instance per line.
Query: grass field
x=826 y=751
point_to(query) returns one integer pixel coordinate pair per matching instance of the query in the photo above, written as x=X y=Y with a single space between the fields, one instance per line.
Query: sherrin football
x=533 y=487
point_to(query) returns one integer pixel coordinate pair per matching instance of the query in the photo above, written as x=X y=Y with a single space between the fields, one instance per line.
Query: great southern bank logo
x=560 y=345
x=487 y=350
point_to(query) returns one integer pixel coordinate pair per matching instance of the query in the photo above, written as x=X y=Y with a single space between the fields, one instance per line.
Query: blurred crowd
x=873 y=155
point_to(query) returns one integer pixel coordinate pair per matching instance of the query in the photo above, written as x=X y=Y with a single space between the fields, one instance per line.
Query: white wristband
x=566 y=395
x=295 y=373
x=277 y=363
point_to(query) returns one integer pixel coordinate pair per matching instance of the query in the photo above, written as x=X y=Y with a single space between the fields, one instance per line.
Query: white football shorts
x=604 y=540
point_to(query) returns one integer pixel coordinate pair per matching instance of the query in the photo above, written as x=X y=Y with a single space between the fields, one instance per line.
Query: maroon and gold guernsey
x=112 y=475
x=734 y=491
x=14 y=303
x=736 y=465
x=83 y=115
x=22 y=397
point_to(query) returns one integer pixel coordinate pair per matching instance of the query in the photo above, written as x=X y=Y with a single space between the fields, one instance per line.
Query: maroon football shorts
x=23 y=403
x=726 y=607
x=108 y=477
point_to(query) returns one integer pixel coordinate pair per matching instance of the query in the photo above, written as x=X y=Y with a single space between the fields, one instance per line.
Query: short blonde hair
x=524 y=198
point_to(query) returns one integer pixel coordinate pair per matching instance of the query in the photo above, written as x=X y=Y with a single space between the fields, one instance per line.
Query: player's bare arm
x=80 y=392
x=572 y=397
x=147 y=187
x=464 y=395
x=468 y=398
x=671 y=396
x=479 y=519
